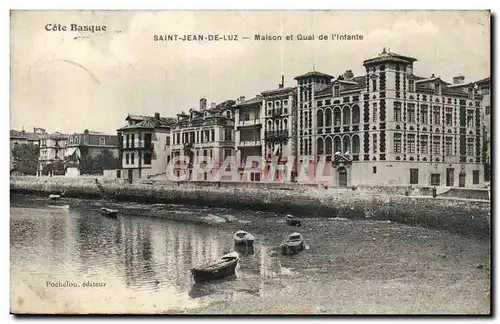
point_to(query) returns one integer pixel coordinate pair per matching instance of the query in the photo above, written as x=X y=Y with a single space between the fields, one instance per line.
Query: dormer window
x=228 y=113
x=102 y=141
x=71 y=140
x=471 y=93
x=411 y=85
x=205 y=114
x=336 y=91
x=437 y=89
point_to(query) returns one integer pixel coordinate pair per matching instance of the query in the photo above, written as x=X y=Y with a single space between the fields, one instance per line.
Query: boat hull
x=243 y=242
x=201 y=275
x=294 y=222
x=290 y=248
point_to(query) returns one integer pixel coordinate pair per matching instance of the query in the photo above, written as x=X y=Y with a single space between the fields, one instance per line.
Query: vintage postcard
x=250 y=162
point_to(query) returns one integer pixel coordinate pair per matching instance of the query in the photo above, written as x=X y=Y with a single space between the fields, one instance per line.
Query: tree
x=25 y=158
x=95 y=165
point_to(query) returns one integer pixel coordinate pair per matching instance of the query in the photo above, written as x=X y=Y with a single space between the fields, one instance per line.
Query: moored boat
x=243 y=238
x=294 y=243
x=54 y=197
x=59 y=206
x=225 y=267
x=109 y=212
x=293 y=221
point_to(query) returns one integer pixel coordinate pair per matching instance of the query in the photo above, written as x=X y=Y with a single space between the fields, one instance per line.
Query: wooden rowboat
x=224 y=268
x=109 y=212
x=243 y=238
x=294 y=243
x=54 y=197
x=293 y=221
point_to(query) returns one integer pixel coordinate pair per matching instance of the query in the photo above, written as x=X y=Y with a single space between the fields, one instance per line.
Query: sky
x=71 y=81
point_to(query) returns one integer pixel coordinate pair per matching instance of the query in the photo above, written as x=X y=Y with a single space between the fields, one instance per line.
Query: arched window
x=328 y=117
x=285 y=124
x=321 y=148
x=277 y=125
x=347 y=115
x=337 y=117
x=269 y=125
x=328 y=145
x=355 y=144
x=346 y=144
x=319 y=118
x=337 y=144
x=355 y=114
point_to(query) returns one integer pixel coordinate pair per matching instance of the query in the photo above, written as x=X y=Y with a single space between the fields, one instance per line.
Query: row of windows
x=424 y=144
x=130 y=158
x=339 y=117
x=277 y=125
x=277 y=104
x=424 y=115
x=204 y=136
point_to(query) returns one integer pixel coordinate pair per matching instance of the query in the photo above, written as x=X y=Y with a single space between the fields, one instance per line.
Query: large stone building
x=207 y=132
x=87 y=143
x=52 y=153
x=144 y=146
x=23 y=137
x=484 y=88
x=391 y=126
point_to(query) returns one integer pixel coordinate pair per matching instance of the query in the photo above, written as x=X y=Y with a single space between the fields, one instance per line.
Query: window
x=127 y=158
x=43 y=143
x=485 y=91
x=397 y=143
x=435 y=179
x=449 y=116
x=436 y=145
x=424 y=117
x=374 y=85
x=448 y=147
x=70 y=140
x=437 y=89
x=147 y=140
x=470 y=146
x=132 y=142
x=411 y=85
x=167 y=142
x=470 y=118
x=118 y=174
x=475 y=176
x=336 y=91
x=245 y=117
x=471 y=93
x=127 y=141
x=375 y=143
x=375 y=112
x=132 y=156
x=227 y=153
x=147 y=158
x=102 y=141
x=212 y=135
x=228 y=114
x=228 y=134
x=436 y=112
x=411 y=113
x=413 y=176
x=77 y=140
x=411 y=143
x=397 y=111
x=487 y=110
x=269 y=108
x=374 y=169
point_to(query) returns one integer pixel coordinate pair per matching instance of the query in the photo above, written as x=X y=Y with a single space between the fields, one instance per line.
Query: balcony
x=277 y=136
x=246 y=123
x=250 y=143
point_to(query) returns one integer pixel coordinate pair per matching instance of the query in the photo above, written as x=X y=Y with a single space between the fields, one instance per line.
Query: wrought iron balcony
x=276 y=136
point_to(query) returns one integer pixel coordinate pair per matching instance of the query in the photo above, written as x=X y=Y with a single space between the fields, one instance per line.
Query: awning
x=70 y=151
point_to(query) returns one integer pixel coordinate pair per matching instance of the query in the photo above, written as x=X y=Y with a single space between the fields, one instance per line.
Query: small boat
x=54 y=197
x=59 y=206
x=244 y=250
x=243 y=238
x=293 y=221
x=109 y=212
x=224 y=268
x=294 y=243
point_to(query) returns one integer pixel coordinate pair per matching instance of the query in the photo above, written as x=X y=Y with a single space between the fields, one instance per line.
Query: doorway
x=130 y=175
x=450 y=175
x=342 y=177
x=461 y=180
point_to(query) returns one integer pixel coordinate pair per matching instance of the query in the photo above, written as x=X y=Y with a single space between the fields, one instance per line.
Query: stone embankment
x=382 y=203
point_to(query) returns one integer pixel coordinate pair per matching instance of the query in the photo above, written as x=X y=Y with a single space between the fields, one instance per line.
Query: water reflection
x=145 y=254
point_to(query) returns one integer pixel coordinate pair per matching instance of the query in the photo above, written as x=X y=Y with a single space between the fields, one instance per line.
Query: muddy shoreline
x=458 y=216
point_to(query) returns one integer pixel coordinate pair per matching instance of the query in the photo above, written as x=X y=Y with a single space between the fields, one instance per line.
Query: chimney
x=459 y=79
x=282 y=84
x=348 y=75
x=23 y=130
x=203 y=104
x=240 y=99
x=212 y=105
x=157 y=116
